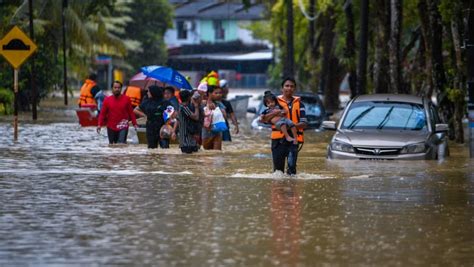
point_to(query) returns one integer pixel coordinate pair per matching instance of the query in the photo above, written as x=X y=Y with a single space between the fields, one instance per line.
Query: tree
x=289 y=62
x=364 y=32
x=150 y=21
x=90 y=31
x=330 y=72
x=394 y=45
x=349 y=50
x=382 y=36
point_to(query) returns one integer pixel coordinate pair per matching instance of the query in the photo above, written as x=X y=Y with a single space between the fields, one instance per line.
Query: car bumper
x=344 y=155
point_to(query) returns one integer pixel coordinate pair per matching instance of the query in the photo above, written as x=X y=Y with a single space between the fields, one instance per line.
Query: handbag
x=218 y=121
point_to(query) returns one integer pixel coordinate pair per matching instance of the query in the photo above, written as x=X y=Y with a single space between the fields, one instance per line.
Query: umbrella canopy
x=143 y=81
x=167 y=75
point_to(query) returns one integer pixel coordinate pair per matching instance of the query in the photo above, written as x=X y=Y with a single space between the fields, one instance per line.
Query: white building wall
x=194 y=36
x=171 y=35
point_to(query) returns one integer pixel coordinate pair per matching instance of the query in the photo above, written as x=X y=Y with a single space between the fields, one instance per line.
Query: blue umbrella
x=167 y=75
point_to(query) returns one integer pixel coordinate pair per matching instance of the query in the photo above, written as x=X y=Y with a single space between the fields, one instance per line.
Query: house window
x=219 y=30
x=182 y=30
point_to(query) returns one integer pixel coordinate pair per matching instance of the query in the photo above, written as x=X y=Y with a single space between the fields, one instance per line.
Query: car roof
x=390 y=98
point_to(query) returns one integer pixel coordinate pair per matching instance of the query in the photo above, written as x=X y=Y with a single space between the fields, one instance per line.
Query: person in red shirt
x=115 y=114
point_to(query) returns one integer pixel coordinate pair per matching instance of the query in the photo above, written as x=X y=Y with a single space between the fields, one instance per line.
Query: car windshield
x=385 y=115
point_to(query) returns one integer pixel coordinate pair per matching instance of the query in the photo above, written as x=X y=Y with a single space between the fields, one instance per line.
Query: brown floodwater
x=68 y=198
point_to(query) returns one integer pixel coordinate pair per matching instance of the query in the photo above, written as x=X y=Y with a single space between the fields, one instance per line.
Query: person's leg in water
x=122 y=136
x=226 y=137
x=165 y=143
x=217 y=144
x=187 y=149
x=279 y=154
x=113 y=136
x=152 y=137
x=292 y=158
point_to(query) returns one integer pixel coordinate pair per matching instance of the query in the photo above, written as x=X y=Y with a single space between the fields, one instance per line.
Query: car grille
x=377 y=151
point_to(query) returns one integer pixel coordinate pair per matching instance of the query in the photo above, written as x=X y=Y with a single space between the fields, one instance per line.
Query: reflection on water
x=67 y=197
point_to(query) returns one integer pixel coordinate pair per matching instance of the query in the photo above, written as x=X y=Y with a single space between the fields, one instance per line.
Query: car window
x=312 y=109
x=385 y=115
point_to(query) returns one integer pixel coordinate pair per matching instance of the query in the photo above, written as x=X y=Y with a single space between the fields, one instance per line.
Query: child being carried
x=280 y=121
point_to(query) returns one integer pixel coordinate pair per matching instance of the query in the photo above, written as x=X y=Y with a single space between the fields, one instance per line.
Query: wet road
x=68 y=198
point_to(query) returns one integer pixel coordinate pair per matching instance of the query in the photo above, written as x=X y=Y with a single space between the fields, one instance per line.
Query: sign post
x=16 y=47
x=15 y=112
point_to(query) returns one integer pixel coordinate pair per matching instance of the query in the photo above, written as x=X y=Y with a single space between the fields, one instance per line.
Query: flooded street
x=68 y=198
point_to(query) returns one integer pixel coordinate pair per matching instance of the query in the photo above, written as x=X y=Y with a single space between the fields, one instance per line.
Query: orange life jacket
x=86 y=96
x=292 y=113
x=135 y=95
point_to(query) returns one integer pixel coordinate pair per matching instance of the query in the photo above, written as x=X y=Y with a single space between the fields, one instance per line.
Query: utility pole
x=33 y=89
x=469 y=46
x=364 y=33
x=289 y=64
x=63 y=18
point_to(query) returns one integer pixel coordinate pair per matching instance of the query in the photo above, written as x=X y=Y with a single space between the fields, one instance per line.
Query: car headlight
x=339 y=146
x=414 y=148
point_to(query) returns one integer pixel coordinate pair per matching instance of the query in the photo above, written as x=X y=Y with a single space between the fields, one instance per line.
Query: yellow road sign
x=16 y=47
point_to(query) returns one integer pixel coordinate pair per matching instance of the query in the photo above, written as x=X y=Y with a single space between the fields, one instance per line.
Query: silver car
x=388 y=126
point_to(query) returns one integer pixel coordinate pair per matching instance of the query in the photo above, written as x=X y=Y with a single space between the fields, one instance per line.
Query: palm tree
x=91 y=28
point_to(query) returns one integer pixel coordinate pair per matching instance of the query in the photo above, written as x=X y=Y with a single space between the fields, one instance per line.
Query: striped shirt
x=186 y=139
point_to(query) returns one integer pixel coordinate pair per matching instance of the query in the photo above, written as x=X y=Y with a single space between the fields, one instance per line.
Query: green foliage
x=93 y=27
x=260 y=30
x=449 y=9
x=6 y=101
x=151 y=19
x=456 y=95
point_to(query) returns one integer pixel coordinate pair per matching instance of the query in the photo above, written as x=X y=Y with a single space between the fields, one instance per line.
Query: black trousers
x=164 y=143
x=117 y=136
x=282 y=151
x=152 y=136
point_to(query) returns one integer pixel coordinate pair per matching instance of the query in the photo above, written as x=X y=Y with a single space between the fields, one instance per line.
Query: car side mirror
x=252 y=110
x=329 y=125
x=441 y=128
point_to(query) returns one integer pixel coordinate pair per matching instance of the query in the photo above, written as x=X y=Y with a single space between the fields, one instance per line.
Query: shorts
x=284 y=121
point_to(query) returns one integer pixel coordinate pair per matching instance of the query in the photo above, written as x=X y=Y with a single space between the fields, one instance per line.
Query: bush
x=6 y=101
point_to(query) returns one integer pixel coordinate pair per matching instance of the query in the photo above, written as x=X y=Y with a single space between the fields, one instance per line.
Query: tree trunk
x=328 y=43
x=418 y=73
x=349 y=51
x=331 y=70
x=439 y=78
x=289 y=64
x=426 y=34
x=438 y=75
x=335 y=77
x=313 y=48
x=458 y=83
x=382 y=33
x=364 y=32
x=394 y=45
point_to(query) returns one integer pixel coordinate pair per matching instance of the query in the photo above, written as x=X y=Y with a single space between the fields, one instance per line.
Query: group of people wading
x=197 y=118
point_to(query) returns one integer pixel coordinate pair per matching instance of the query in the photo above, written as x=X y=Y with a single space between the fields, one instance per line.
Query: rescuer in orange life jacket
x=293 y=109
x=88 y=91
x=135 y=94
